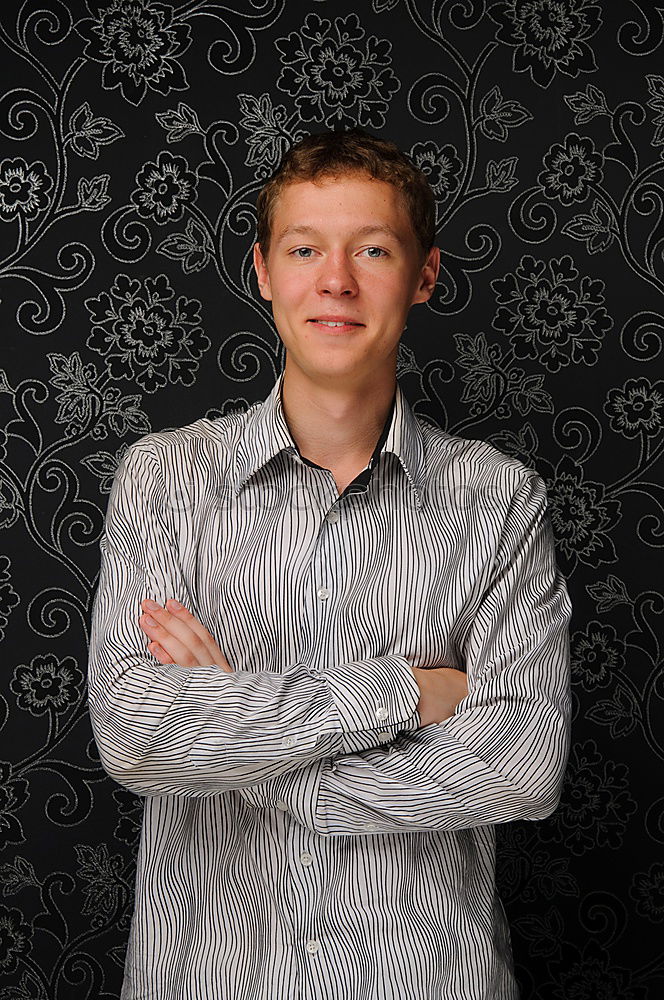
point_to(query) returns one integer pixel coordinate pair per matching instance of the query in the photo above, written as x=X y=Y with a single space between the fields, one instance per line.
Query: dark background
x=135 y=136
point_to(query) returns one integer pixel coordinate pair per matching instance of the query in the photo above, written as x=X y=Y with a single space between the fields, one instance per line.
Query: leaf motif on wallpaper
x=597 y=230
x=92 y=193
x=269 y=132
x=180 y=123
x=192 y=248
x=587 y=105
x=498 y=116
x=103 y=465
x=501 y=175
x=543 y=932
x=608 y=594
x=621 y=713
x=103 y=874
x=482 y=361
x=656 y=102
x=9 y=599
x=522 y=444
x=87 y=133
x=17 y=875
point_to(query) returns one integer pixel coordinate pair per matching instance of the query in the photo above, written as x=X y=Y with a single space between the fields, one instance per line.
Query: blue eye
x=298 y=251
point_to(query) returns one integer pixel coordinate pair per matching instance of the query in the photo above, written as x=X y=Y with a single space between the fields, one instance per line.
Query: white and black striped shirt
x=303 y=837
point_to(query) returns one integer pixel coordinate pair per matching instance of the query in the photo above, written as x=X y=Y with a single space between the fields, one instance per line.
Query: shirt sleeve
x=502 y=755
x=169 y=729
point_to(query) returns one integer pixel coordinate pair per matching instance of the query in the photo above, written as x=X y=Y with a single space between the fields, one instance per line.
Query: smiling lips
x=335 y=324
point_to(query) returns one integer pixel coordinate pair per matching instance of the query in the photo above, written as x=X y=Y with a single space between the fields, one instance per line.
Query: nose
x=335 y=276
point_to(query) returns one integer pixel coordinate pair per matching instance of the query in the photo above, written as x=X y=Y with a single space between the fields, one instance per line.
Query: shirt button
x=281 y=805
x=371 y=826
x=381 y=713
x=384 y=737
x=312 y=946
x=306 y=858
x=323 y=593
x=289 y=741
x=332 y=517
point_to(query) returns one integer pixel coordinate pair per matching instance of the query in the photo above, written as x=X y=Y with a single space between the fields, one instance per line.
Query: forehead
x=355 y=202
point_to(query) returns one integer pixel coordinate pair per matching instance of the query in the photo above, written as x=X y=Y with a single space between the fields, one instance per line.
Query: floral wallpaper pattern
x=135 y=135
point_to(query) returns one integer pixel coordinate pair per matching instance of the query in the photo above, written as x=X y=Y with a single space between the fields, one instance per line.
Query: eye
x=380 y=251
x=296 y=251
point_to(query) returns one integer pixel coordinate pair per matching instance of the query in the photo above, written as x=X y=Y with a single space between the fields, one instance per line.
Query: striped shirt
x=304 y=836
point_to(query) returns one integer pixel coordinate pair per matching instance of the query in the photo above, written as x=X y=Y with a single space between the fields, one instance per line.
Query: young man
x=368 y=667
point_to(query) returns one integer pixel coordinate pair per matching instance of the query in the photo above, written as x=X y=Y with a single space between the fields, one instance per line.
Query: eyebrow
x=369 y=230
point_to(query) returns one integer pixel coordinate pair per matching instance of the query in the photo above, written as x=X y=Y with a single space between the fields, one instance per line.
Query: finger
x=181 y=653
x=183 y=614
x=179 y=639
x=160 y=653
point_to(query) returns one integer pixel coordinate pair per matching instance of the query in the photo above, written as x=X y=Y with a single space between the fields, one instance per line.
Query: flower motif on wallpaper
x=15 y=941
x=165 y=188
x=581 y=515
x=23 y=188
x=130 y=810
x=47 y=683
x=588 y=973
x=441 y=165
x=570 y=168
x=138 y=42
x=647 y=890
x=595 y=805
x=146 y=334
x=548 y=315
x=335 y=75
x=596 y=655
x=8 y=596
x=548 y=36
x=13 y=795
x=637 y=408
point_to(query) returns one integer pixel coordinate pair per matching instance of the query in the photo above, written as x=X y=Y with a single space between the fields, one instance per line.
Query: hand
x=178 y=636
x=441 y=690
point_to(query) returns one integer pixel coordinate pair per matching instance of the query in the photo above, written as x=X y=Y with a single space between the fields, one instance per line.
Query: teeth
x=326 y=322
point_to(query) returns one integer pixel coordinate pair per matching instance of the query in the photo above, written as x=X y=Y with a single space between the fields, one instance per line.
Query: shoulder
x=473 y=465
x=197 y=448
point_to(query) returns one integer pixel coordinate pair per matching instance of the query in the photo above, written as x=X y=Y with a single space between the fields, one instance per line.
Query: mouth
x=336 y=326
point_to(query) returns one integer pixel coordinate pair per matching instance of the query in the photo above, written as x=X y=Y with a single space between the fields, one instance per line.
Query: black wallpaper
x=135 y=136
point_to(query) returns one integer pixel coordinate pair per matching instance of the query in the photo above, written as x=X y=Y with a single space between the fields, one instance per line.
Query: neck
x=336 y=426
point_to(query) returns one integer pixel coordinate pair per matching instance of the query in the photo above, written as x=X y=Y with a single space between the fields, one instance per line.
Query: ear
x=262 y=273
x=428 y=276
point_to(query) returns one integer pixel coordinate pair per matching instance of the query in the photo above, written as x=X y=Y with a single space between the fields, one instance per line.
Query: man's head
x=340 y=153
x=345 y=248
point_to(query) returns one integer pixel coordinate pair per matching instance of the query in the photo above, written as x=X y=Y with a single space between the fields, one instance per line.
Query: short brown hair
x=337 y=153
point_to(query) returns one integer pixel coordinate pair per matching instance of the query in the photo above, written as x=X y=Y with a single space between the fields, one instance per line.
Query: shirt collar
x=267 y=434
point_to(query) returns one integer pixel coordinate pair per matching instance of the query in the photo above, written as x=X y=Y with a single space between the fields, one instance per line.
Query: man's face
x=343 y=248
